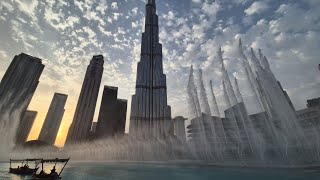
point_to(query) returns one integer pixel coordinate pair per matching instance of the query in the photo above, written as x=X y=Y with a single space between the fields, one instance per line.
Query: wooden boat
x=24 y=169
x=53 y=175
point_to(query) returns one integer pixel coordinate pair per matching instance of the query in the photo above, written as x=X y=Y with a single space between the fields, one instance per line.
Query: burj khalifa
x=150 y=113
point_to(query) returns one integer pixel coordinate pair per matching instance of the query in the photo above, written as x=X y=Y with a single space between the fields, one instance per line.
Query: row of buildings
x=309 y=120
x=150 y=113
x=19 y=84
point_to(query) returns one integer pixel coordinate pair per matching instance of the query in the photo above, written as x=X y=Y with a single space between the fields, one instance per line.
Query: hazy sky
x=66 y=34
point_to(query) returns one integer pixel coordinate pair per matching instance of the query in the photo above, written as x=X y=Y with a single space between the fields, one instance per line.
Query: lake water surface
x=167 y=171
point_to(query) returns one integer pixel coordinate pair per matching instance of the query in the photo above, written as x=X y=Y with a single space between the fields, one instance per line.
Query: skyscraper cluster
x=150 y=114
x=16 y=91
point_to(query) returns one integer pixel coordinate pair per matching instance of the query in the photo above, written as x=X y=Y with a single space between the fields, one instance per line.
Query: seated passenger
x=53 y=170
x=42 y=172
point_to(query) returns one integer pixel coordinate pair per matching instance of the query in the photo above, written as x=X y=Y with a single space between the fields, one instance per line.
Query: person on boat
x=42 y=172
x=53 y=170
x=18 y=167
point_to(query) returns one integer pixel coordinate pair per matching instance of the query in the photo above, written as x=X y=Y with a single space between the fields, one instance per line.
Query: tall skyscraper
x=81 y=125
x=17 y=88
x=150 y=113
x=112 y=115
x=53 y=119
x=19 y=83
x=25 y=126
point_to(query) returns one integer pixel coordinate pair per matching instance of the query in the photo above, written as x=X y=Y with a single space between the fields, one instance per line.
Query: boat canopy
x=19 y=160
x=54 y=160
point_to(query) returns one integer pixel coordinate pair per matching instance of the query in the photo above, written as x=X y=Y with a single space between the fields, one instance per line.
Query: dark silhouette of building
x=179 y=128
x=53 y=119
x=81 y=125
x=309 y=118
x=150 y=113
x=17 y=88
x=20 y=82
x=112 y=115
x=25 y=126
x=313 y=102
x=35 y=145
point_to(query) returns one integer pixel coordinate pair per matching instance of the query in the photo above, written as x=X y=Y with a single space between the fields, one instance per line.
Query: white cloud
x=114 y=5
x=256 y=8
x=28 y=7
x=102 y=7
x=107 y=33
x=197 y=1
x=211 y=9
x=3 y=54
x=135 y=11
x=7 y=5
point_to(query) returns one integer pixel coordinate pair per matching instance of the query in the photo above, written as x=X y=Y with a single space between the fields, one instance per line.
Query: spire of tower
x=152 y=2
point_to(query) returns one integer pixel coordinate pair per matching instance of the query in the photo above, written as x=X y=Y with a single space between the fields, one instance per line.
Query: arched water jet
x=239 y=113
x=213 y=139
x=218 y=122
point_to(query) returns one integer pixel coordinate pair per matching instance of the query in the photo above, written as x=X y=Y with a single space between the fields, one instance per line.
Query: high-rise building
x=112 y=115
x=150 y=113
x=17 y=88
x=51 y=125
x=179 y=128
x=25 y=126
x=79 y=130
x=20 y=82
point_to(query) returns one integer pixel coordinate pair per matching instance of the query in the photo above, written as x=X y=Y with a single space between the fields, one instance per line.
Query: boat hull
x=21 y=171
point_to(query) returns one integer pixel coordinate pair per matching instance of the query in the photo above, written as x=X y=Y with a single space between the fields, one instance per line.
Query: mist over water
x=9 y=121
x=230 y=140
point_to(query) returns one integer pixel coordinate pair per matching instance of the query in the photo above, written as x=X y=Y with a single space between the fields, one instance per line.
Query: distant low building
x=309 y=118
x=25 y=126
x=179 y=127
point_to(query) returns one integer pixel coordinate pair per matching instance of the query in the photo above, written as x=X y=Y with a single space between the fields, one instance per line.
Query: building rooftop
x=313 y=102
x=111 y=87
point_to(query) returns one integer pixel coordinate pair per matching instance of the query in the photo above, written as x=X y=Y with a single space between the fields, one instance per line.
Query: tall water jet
x=212 y=137
x=9 y=122
x=194 y=103
x=269 y=133
x=237 y=109
x=217 y=120
x=214 y=105
x=203 y=96
x=234 y=141
x=238 y=93
x=200 y=144
x=225 y=78
x=292 y=139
